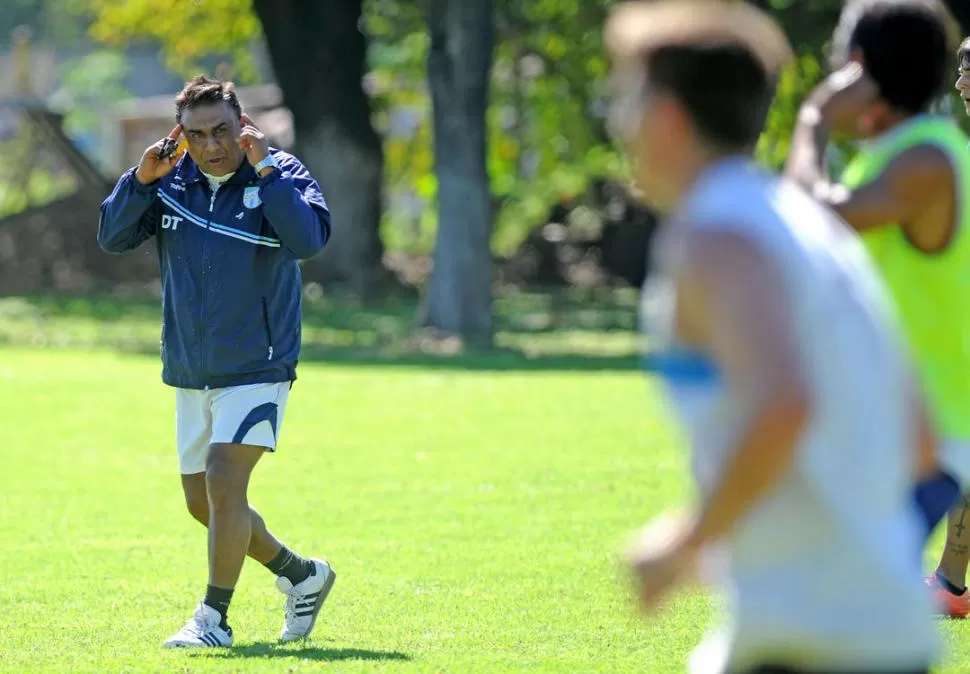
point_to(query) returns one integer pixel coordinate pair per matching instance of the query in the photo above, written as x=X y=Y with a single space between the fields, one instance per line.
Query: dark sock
x=219 y=598
x=948 y=586
x=290 y=565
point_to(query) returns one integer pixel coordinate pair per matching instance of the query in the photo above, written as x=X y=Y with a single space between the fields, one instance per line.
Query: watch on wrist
x=267 y=162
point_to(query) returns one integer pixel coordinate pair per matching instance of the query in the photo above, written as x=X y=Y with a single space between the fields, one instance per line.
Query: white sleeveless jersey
x=826 y=571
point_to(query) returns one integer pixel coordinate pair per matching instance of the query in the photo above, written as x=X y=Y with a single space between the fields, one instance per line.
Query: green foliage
x=795 y=84
x=547 y=126
x=40 y=186
x=88 y=85
x=397 y=51
x=186 y=32
x=546 y=120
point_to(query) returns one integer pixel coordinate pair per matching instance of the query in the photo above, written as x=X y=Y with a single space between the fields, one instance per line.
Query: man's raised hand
x=153 y=165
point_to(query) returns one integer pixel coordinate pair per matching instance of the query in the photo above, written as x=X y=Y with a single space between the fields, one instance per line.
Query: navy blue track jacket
x=231 y=283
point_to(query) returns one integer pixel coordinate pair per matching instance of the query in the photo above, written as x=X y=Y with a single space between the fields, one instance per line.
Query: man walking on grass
x=230 y=217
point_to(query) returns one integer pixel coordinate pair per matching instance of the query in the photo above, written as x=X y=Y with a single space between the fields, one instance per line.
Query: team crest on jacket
x=251 y=197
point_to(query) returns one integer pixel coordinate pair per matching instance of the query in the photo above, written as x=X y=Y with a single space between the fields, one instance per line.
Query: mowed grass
x=473 y=518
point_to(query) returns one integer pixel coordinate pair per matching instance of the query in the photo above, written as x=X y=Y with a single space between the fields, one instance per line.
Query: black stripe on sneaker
x=309 y=604
x=304 y=614
x=210 y=639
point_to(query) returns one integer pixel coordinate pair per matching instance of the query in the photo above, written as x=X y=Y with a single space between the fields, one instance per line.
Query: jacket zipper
x=269 y=332
x=205 y=284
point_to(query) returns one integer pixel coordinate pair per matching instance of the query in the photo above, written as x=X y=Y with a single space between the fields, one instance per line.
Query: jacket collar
x=188 y=171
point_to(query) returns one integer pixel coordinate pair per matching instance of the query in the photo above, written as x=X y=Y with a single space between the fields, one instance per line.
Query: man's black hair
x=723 y=86
x=202 y=90
x=905 y=45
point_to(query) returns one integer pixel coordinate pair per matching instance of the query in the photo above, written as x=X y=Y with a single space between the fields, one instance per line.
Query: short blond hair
x=720 y=60
x=636 y=29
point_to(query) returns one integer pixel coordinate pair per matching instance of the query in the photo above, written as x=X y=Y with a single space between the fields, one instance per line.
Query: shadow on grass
x=274 y=650
x=539 y=332
x=528 y=312
x=498 y=360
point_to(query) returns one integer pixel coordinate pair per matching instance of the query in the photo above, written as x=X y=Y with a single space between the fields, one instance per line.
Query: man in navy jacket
x=231 y=217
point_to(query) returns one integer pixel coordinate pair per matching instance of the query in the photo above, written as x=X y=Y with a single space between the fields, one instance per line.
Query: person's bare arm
x=733 y=306
x=913 y=183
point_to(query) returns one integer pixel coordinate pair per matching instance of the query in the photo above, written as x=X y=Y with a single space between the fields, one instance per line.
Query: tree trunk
x=458 y=298
x=319 y=59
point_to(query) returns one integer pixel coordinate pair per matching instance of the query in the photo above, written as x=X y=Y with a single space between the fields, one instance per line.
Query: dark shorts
x=776 y=669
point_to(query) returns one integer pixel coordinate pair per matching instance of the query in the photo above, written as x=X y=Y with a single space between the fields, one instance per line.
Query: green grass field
x=473 y=514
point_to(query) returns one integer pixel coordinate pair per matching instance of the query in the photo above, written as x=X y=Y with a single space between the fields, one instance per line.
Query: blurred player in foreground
x=779 y=349
x=907 y=192
x=230 y=218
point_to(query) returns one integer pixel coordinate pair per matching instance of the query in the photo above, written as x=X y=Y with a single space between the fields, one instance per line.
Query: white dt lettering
x=171 y=222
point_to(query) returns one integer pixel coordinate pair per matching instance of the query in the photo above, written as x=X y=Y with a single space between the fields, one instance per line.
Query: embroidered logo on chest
x=251 y=197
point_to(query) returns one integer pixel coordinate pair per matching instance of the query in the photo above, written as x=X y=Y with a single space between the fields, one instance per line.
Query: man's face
x=650 y=126
x=859 y=112
x=211 y=132
x=963 y=83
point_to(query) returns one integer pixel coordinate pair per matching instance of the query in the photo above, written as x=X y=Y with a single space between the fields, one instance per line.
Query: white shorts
x=246 y=415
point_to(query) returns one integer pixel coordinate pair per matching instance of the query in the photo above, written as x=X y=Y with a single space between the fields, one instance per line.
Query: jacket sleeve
x=294 y=205
x=129 y=216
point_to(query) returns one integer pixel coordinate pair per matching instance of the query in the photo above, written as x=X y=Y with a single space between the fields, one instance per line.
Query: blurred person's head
x=963 y=73
x=693 y=83
x=210 y=115
x=905 y=47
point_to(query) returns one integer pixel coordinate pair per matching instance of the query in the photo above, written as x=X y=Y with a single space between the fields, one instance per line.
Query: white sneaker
x=304 y=600
x=202 y=631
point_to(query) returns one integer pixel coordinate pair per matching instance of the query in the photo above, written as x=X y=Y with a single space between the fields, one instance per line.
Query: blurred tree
x=546 y=118
x=458 y=298
x=318 y=55
x=549 y=113
x=186 y=33
x=397 y=83
x=20 y=13
x=546 y=114
x=88 y=85
x=48 y=20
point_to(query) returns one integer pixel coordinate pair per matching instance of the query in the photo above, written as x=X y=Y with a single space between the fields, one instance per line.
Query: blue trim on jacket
x=231 y=283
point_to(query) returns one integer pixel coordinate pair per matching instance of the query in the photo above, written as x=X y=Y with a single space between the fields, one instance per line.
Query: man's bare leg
x=234 y=528
x=956 y=553
x=263 y=545
x=227 y=471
